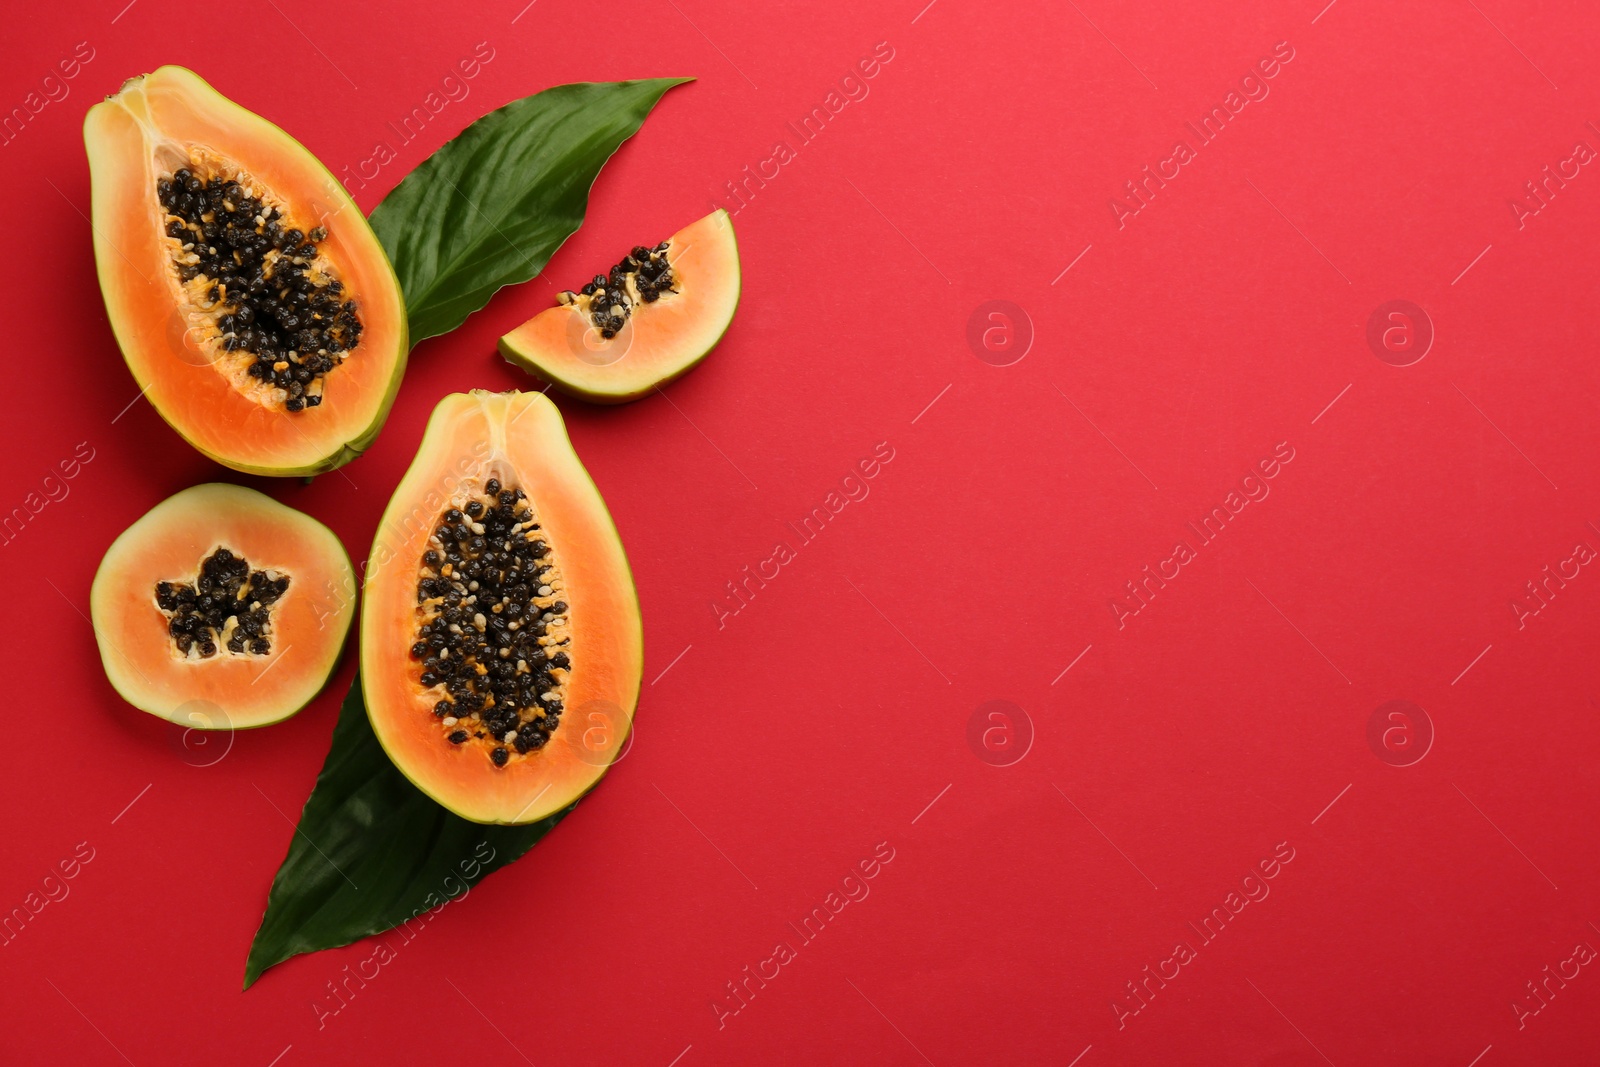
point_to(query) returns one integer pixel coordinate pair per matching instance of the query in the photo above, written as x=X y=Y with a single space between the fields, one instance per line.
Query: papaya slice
x=501 y=646
x=251 y=300
x=650 y=319
x=222 y=608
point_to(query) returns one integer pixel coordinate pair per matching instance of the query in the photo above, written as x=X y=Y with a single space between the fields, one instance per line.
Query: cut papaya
x=501 y=647
x=250 y=298
x=222 y=608
x=650 y=319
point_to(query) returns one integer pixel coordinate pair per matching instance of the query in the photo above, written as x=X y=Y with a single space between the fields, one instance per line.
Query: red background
x=1180 y=748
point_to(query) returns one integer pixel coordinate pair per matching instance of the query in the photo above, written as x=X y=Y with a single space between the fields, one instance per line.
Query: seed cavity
x=643 y=275
x=228 y=603
x=492 y=631
x=260 y=283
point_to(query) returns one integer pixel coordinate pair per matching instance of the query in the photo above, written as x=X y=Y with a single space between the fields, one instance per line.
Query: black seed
x=493 y=570
x=499 y=755
x=197 y=617
x=457 y=737
x=274 y=308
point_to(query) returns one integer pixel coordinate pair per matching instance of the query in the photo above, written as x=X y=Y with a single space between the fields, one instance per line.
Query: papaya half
x=222 y=608
x=650 y=319
x=251 y=300
x=501 y=645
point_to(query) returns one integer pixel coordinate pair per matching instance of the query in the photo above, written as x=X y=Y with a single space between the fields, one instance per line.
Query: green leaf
x=372 y=851
x=492 y=206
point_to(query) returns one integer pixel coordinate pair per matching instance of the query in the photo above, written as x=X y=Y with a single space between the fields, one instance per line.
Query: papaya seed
x=488 y=665
x=229 y=245
x=226 y=591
